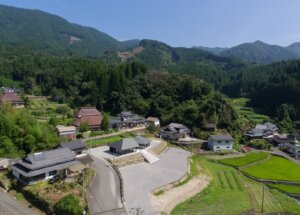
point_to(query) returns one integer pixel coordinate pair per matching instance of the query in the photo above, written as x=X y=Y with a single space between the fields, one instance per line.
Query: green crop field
x=276 y=168
x=230 y=193
x=287 y=188
x=244 y=160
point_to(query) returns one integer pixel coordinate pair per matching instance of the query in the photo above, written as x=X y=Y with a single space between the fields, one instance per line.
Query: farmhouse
x=129 y=145
x=262 y=131
x=282 y=139
x=220 y=142
x=88 y=115
x=68 y=132
x=78 y=147
x=153 y=120
x=127 y=119
x=12 y=98
x=175 y=131
x=44 y=165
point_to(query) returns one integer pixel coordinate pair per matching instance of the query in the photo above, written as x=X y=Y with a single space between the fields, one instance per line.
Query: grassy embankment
x=229 y=192
x=245 y=160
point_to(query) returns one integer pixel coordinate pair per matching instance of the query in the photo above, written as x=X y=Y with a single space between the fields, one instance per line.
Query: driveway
x=103 y=195
x=141 y=179
x=10 y=206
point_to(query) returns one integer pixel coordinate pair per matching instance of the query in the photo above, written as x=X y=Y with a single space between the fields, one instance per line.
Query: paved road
x=141 y=179
x=10 y=206
x=104 y=195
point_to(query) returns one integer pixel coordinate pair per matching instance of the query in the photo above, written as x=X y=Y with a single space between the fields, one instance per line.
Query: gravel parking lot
x=141 y=179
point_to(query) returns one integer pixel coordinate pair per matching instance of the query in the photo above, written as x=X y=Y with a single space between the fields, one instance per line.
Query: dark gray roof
x=126 y=143
x=27 y=173
x=142 y=140
x=270 y=126
x=220 y=137
x=74 y=145
x=47 y=158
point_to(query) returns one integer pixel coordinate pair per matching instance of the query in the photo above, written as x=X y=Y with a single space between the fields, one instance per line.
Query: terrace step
x=151 y=158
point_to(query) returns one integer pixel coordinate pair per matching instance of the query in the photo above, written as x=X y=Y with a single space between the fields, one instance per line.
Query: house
x=153 y=120
x=281 y=139
x=12 y=98
x=255 y=133
x=220 y=142
x=4 y=163
x=78 y=147
x=125 y=146
x=293 y=148
x=175 y=131
x=142 y=141
x=67 y=132
x=11 y=90
x=127 y=119
x=89 y=115
x=129 y=145
x=262 y=131
x=44 y=165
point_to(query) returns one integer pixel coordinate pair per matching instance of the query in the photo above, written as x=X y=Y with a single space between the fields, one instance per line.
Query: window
x=54 y=172
x=227 y=147
x=218 y=147
x=219 y=141
x=227 y=141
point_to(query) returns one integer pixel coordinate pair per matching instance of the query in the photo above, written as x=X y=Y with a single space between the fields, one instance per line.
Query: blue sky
x=186 y=23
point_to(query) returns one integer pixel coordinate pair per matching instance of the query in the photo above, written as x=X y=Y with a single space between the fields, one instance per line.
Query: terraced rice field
x=245 y=160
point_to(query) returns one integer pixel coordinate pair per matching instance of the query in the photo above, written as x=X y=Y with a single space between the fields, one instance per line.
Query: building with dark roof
x=262 y=131
x=44 y=165
x=88 y=115
x=175 y=131
x=153 y=120
x=12 y=98
x=127 y=119
x=220 y=142
x=129 y=145
x=67 y=132
x=78 y=147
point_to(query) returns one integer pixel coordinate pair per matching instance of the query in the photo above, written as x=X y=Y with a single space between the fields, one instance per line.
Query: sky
x=186 y=23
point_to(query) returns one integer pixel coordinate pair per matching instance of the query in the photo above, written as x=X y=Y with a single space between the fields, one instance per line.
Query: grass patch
x=276 y=168
x=194 y=171
x=292 y=189
x=216 y=199
x=247 y=159
x=159 y=192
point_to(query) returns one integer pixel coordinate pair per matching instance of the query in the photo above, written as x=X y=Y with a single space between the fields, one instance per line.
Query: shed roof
x=61 y=128
x=88 y=111
x=73 y=145
x=220 y=137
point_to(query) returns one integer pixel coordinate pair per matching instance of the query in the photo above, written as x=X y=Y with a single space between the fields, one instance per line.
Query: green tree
x=105 y=122
x=68 y=205
x=83 y=127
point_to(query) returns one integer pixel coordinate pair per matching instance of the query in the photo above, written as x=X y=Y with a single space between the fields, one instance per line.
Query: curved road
x=10 y=206
x=103 y=195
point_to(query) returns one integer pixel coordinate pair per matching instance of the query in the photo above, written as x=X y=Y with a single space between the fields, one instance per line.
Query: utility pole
x=262 y=200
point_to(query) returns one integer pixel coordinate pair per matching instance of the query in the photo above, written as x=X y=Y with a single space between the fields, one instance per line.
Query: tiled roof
x=88 y=111
x=152 y=119
x=62 y=128
x=10 y=97
x=74 y=145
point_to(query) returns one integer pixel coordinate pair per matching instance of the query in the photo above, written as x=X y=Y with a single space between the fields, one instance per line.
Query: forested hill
x=192 y=61
x=41 y=31
x=260 y=52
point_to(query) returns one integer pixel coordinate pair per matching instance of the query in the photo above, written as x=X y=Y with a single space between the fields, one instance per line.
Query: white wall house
x=220 y=142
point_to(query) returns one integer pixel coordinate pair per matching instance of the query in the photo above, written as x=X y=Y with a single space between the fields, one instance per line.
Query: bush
x=259 y=144
x=68 y=205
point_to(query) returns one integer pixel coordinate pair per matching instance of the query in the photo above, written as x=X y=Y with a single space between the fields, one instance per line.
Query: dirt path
x=169 y=199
